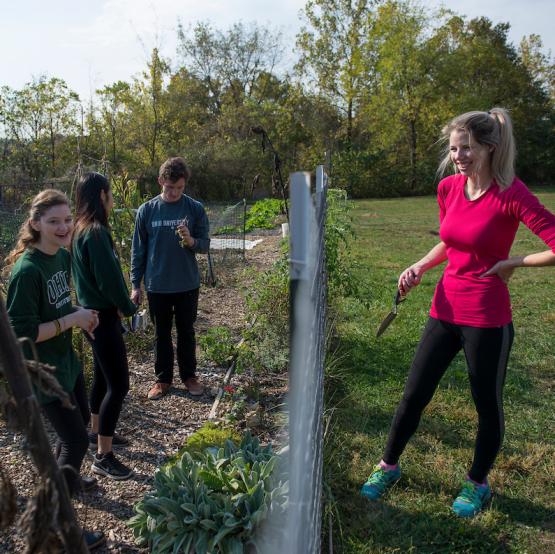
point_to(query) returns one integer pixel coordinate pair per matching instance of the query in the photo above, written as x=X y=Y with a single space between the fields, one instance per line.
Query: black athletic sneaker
x=117 y=441
x=87 y=484
x=109 y=466
x=94 y=539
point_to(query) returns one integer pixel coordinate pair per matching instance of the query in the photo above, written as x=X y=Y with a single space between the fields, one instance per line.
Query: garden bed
x=157 y=430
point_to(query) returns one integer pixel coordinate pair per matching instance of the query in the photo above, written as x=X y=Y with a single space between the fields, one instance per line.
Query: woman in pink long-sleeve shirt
x=480 y=208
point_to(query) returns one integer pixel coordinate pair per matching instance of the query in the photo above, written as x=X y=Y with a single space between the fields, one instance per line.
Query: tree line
x=372 y=85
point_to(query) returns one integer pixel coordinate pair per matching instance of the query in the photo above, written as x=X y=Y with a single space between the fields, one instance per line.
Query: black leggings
x=487 y=353
x=71 y=427
x=110 y=382
x=163 y=307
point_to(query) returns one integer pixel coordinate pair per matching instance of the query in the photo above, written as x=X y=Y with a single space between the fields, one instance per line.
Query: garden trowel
x=392 y=314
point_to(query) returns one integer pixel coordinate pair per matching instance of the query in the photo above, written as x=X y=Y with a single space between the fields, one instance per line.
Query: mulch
x=158 y=429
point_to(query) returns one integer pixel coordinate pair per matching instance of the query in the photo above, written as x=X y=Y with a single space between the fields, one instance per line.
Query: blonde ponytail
x=493 y=128
x=503 y=157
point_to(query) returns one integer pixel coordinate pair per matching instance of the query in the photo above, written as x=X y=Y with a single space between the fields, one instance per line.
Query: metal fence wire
x=227 y=230
x=227 y=227
x=308 y=281
x=10 y=223
x=227 y=239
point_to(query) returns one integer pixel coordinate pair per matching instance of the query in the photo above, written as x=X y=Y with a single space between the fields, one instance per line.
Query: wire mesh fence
x=227 y=230
x=10 y=222
x=18 y=196
x=227 y=238
x=308 y=281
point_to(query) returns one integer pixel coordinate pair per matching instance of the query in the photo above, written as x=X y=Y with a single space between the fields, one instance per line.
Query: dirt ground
x=157 y=429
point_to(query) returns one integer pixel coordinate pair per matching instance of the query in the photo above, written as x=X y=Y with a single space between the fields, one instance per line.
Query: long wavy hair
x=493 y=128
x=27 y=236
x=90 y=212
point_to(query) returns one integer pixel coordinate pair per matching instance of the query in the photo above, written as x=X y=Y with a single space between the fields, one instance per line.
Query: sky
x=92 y=43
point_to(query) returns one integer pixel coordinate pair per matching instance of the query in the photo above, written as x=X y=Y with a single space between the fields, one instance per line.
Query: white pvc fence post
x=300 y=416
x=300 y=531
x=299 y=225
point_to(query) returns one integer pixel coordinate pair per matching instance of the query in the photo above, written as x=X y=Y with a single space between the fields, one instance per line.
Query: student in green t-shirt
x=100 y=285
x=39 y=307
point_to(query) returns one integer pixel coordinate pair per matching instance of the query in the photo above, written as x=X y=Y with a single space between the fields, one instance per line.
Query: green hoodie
x=97 y=276
x=38 y=292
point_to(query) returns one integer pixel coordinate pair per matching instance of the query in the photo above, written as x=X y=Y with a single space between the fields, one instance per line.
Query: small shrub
x=340 y=264
x=209 y=436
x=266 y=345
x=211 y=502
x=217 y=345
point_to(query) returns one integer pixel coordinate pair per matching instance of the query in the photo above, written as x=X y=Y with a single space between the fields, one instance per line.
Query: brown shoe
x=193 y=386
x=158 y=390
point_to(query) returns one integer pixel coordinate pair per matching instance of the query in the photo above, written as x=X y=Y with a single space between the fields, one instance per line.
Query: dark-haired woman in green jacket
x=100 y=285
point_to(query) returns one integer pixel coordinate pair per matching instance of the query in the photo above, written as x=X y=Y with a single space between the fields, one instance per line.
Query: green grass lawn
x=365 y=381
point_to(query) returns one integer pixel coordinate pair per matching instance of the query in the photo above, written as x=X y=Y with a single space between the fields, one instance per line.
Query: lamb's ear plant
x=212 y=501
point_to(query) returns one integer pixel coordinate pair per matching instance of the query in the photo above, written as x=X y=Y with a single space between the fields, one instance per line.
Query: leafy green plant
x=263 y=214
x=217 y=345
x=211 y=502
x=127 y=198
x=340 y=263
x=266 y=344
x=226 y=230
x=237 y=410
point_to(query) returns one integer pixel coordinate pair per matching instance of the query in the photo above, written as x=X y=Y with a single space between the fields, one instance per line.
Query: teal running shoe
x=379 y=481
x=471 y=499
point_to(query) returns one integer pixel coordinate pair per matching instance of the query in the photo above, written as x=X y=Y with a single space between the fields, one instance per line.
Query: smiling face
x=469 y=157
x=172 y=192
x=55 y=227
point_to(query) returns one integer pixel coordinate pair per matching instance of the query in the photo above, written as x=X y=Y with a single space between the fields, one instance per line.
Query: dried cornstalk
x=26 y=407
x=8 y=494
x=39 y=521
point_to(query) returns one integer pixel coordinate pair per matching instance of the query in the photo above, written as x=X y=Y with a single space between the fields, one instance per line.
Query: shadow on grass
x=429 y=526
x=373 y=393
x=532 y=514
x=365 y=386
x=384 y=527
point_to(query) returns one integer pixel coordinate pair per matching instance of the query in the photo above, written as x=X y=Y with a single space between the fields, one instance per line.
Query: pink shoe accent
x=476 y=482
x=388 y=467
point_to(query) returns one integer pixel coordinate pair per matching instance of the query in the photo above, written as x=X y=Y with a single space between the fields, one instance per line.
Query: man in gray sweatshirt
x=169 y=230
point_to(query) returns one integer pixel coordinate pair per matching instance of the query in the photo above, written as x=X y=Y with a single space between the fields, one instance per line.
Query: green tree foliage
x=404 y=108
x=539 y=65
x=332 y=50
x=40 y=128
x=230 y=63
x=490 y=73
x=112 y=121
x=374 y=82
